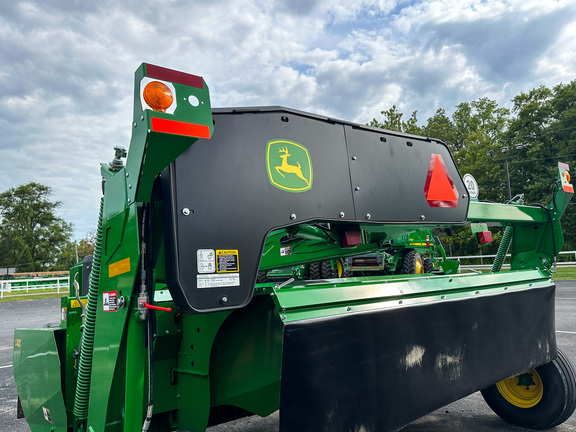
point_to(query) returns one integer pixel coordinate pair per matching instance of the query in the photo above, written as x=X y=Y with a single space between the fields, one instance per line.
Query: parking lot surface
x=468 y=414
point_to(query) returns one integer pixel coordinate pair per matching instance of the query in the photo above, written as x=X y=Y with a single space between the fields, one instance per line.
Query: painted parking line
x=6 y=366
x=567 y=332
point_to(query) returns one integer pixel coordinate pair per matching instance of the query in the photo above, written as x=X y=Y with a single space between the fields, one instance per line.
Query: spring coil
x=502 y=249
x=87 y=347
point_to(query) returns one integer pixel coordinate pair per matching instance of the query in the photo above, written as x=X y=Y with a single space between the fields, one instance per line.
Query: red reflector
x=180 y=128
x=350 y=238
x=171 y=75
x=439 y=189
x=427 y=241
x=484 y=237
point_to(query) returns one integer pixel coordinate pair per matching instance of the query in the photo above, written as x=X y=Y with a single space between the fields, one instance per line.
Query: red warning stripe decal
x=440 y=190
x=180 y=128
x=171 y=75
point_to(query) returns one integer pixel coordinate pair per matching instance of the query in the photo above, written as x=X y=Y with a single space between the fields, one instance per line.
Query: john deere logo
x=289 y=166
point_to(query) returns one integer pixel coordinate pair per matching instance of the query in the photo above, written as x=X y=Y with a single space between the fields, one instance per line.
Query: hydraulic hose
x=82 y=395
x=502 y=249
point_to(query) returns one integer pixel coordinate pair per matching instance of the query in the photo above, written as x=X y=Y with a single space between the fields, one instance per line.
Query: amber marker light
x=158 y=96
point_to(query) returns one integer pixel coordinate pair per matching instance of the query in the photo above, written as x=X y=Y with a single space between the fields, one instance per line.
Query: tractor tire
x=314 y=271
x=412 y=263
x=326 y=270
x=428 y=267
x=538 y=399
x=262 y=277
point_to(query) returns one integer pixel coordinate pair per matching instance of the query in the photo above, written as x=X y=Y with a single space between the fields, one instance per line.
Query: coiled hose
x=502 y=249
x=87 y=347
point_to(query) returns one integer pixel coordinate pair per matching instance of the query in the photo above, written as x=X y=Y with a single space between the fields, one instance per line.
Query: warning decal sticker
x=110 y=301
x=227 y=261
x=47 y=415
x=218 y=280
x=206 y=259
x=285 y=251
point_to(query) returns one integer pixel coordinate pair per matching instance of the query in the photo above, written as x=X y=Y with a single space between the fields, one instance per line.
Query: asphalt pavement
x=468 y=414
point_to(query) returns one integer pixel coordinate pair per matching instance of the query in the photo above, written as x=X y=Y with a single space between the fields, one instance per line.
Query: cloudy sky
x=66 y=67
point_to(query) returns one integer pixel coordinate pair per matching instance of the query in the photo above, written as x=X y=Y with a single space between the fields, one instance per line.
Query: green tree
x=393 y=121
x=36 y=236
x=74 y=252
x=545 y=123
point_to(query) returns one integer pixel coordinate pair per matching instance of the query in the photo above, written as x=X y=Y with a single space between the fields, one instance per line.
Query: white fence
x=23 y=287
x=486 y=260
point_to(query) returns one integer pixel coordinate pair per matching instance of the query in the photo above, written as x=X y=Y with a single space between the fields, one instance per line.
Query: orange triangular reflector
x=439 y=189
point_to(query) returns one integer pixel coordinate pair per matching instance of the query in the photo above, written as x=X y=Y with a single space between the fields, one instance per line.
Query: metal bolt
x=129 y=200
x=129 y=186
x=354 y=158
x=464 y=196
x=134 y=124
x=223 y=299
x=368 y=216
x=477 y=292
x=348 y=308
x=185 y=211
x=422 y=217
x=167 y=331
x=284 y=317
x=442 y=297
x=356 y=188
x=293 y=216
x=142 y=118
x=127 y=175
x=342 y=214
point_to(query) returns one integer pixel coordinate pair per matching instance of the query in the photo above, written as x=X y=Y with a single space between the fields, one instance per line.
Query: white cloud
x=66 y=81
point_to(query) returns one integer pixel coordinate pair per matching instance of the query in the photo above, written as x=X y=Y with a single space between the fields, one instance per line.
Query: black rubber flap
x=268 y=169
x=379 y=371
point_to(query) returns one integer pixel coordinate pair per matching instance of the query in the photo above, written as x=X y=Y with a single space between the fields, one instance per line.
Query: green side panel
x=120 y=260
x=38 y=379
x=314 y=299
x=192 y=375
x=247 y=357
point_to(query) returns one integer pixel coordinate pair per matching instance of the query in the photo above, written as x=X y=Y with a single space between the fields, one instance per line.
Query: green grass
x=33 y=295
x=565 y=273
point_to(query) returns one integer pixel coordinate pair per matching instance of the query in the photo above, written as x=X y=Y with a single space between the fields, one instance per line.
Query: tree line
x=32 y=237
x=535 y=134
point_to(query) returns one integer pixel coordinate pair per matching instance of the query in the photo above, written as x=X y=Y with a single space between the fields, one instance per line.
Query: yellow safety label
x=227 y=261
x=74 y=303
x=119 y=267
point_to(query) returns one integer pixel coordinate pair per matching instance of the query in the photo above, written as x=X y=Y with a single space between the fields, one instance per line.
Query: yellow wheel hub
x=339 y=268
x=523 y=391
x=419 y=266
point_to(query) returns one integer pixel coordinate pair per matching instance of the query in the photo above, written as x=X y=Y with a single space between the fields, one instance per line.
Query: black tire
x=552 y=404
x=412 y=262
x=326 y=270
x=314 y=271
x=262 y=277
x=428 y=266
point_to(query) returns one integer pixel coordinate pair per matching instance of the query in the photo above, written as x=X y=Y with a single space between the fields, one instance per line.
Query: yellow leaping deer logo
x=287 y=168
x=291 y=175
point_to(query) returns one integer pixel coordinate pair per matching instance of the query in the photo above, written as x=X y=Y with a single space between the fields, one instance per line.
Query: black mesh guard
x=222 y=198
